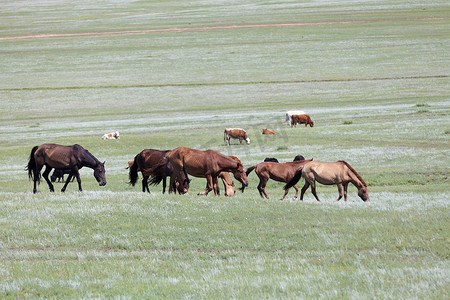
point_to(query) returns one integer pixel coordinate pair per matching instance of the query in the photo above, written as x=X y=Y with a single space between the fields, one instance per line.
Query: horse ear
x=104 y=162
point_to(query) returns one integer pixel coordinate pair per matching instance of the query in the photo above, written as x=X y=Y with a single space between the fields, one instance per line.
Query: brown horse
x=329 y=173
x=282 y=172
x=145 y=161
x=63 y=157
x=204 y=164
x=228 y=183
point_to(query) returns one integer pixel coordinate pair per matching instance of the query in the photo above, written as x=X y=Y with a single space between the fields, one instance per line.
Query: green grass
x=373 y=76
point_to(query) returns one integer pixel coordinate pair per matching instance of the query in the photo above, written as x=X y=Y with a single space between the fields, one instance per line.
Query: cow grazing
x=301 y=119
x=290 y=113
x=235 y=133
x=267 y=131
x=111 y=136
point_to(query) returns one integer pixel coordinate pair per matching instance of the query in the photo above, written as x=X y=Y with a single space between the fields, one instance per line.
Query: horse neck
x=88 y=160
x=355 y=180
x=226 y=164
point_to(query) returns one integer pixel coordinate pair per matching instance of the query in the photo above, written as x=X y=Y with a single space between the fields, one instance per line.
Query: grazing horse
x=204 y=164
x=267 y=131
x=282 y=172
x=329 y=173
x=235 y=133
x=301 y=119
x=145 y=161
x=63 y=157
x=228 y=184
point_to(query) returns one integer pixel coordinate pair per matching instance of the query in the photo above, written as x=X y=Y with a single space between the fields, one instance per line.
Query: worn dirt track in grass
x=207 y=28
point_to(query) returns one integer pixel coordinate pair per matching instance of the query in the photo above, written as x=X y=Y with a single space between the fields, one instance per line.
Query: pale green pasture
x=373 y=75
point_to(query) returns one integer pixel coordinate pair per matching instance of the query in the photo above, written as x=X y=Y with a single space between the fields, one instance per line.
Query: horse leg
x=45 y=175
x=313 y=190
x=216 y=186
x=37 y=171
x=67 y=182
x=262 y=187
x=285 y=193
x=304 y=188
x=345 y=191
x=209 y=185
x=339 y=186
x=144 y=183
x=77 y=175
x=164 y=184
x=296 y=191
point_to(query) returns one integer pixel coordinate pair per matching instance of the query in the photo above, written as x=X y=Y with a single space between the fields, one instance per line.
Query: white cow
x=290 y=113
x=111 y=136
x=235 y=133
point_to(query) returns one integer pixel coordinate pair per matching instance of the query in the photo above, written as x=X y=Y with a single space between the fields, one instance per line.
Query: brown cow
x=301 y=119
x=267 y=131
x=235 y=133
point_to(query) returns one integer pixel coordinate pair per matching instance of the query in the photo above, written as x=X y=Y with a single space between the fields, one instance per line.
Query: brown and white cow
x=301 y=119
x=111 y=136
x=267 y=131
x=290 y=113
x=235 y=133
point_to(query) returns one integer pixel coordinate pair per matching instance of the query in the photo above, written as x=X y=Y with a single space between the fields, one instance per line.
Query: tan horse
x=204 y=164
x=329 y=173
x=228 y=184
x=282 y=172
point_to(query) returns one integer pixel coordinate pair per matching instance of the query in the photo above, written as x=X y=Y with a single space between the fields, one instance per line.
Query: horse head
x=99 y=173
x=363 y=193
x=241 y=176
x=183 y=186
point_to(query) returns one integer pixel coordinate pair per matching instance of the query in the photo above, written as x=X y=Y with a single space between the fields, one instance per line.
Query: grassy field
x=373 y=76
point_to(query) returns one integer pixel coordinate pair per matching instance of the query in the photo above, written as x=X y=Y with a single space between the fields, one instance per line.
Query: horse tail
x=156 y=180
x=354 y=171
x=249 y=170
x=133 y=173
x=31 y=166
x=294 y=180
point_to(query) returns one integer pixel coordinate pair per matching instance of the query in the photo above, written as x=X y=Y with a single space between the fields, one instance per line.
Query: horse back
x=55 y=156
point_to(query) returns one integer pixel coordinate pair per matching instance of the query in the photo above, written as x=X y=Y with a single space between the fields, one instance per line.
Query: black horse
x=63 y=157
x=59 y=174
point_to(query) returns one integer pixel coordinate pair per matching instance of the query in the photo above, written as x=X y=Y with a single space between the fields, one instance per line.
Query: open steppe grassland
x=373 y=75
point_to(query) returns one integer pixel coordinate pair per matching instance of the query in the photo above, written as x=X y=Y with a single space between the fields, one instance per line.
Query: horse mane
x=354 y=171
x=84 y=151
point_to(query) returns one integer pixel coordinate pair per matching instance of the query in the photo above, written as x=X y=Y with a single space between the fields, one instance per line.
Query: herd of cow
x=179 y=163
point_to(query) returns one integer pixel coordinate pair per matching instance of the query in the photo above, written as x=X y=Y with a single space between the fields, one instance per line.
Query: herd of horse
x=179 y=163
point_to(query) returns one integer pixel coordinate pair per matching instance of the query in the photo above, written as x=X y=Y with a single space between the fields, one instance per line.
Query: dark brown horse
x=204 y=164
x=329 y=173
x=61 y=157
x=148 y=159
x=282 y=172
